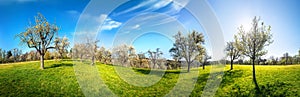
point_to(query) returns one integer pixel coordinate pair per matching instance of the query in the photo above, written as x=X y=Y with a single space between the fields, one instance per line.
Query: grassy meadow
x=58 y=79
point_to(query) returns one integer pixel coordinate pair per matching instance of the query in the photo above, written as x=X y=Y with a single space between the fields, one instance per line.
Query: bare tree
x=100 y=54
x=154 y=56
x=103 y=55
x=120 y=55
x=232 y=52
x=188 y=47
x=16 y=54
x=205 y=58
x=39 y=36
x=61 y=46
x=92 y=49
x=79 y=51
x=252 y=44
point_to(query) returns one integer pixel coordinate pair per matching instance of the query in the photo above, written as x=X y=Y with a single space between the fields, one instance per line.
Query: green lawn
x=58 y=79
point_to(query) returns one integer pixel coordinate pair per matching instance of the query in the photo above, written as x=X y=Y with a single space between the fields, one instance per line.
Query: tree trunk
x=189 y=64
x=61 y=56
x=93 y=60
x=42 y=61
x=254 y=76
x=203 y=65
x=231 y=64
x=153 y=64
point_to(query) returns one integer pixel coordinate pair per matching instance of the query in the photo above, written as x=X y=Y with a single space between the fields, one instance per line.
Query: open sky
x=156 y=20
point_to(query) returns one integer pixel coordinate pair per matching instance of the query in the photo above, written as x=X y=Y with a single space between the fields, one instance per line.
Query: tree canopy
x=39 y=36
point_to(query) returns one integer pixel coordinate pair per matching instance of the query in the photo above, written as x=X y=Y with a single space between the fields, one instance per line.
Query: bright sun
x=246 y=22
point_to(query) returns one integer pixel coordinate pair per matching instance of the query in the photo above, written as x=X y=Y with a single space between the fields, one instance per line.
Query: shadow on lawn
x=271 y=89
x=147 y=71
x=230 y=76
x=59 y=65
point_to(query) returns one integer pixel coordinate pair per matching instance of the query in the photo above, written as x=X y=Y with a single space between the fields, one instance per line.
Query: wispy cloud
x=6 y=2
x=91 y=24
x=147 y=21
x=162 y=3
x=146 y=3
x=177 y=6
x=146 y=6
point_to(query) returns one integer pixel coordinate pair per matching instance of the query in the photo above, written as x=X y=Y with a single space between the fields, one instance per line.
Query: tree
x=188 y=47
x=205 y=58
x=39 y=36
x=133 y=57
x=286 y=57
x=100 y=54
x=4 y=56
x=252 y=44
x=273 y=61
x=232 y=52
x=16 y=54
x=120 y=54
x=61 y=46
x=141 y=60
x=154 y=56
x=8 y=55
x=107 y=57
x=79 y=50
x=92 y=49
x=1 y=56
x=47 y=55
x=298 y=58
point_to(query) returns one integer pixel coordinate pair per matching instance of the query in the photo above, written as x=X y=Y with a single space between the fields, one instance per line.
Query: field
x=58 y=79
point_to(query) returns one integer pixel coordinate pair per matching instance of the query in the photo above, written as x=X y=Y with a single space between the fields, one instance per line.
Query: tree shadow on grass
x=147 y=71
x=60 y=65
x=271 y=89
x=230 y=76
x=203 y=78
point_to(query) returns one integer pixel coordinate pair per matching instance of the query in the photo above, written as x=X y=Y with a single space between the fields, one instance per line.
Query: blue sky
x=154 y=21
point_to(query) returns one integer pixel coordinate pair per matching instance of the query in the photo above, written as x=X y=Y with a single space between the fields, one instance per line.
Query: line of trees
x=187 y=50
x=17 y=55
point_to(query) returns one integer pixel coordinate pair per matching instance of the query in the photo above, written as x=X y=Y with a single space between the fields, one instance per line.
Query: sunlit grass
x=59 y=79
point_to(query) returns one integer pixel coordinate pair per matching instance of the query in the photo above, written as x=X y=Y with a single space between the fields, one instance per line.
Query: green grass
x=58 y=79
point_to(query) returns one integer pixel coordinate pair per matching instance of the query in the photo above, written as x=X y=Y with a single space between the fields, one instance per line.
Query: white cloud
x=91 y=24
x=110 y=24
x=136 y=26
x=101 y=18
